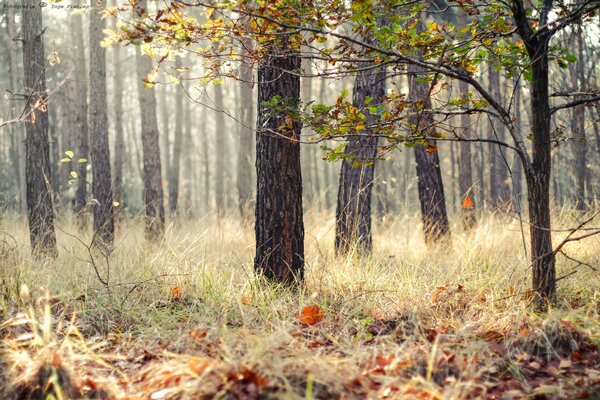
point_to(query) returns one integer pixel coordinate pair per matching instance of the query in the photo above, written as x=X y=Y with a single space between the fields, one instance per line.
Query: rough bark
x=430 y=185
x=104 y=226
x=40 y=209
x=153 y=190
x=81 y=118
x=353 y=215
x=177 y=148
x=279 y=225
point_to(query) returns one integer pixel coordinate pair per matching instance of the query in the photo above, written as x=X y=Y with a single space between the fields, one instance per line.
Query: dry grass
x=187 y=319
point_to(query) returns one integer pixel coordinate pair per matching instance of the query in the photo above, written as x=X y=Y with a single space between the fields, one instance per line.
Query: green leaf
x=65 y=160
x=73 y=174
x=69 y=153
x=82 y=160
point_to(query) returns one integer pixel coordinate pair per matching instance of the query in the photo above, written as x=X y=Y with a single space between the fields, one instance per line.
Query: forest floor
x=187 y=319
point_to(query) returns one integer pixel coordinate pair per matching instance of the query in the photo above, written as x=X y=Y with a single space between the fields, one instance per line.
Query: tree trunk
x=81 y=118
x=353 y=215
x=578 y=127
x=153 y=190
x=538 y=182
x=104 y=227
x=220 y=150
x=499 y=177
x=465 y=176
x=39 y=199
x=119 y=158
x=517 y=168
x=279 y=225
x=430 y=185
x=244 y=166
x=177 y=147
x=17 y=131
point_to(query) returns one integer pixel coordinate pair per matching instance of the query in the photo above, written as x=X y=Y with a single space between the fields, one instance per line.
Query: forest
x=299 y=199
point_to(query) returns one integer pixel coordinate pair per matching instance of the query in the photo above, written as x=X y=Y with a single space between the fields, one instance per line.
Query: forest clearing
x=299 y=199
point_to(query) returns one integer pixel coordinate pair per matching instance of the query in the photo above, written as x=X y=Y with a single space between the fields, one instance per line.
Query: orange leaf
x=311 y=315
x=467 y=204
x=176 y=293
x=431 y=149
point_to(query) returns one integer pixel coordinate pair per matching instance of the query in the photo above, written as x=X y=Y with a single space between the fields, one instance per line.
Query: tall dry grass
x=447 y=321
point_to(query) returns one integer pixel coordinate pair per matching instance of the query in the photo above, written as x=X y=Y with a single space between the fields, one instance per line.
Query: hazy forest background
x=282 y=199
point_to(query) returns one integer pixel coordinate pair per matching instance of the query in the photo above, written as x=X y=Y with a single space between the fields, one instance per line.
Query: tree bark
x=153 y=190
x=104 y=227
x=279 y=225
x=499 y=193
x=81 y=119
x=39 y=199
x=353 y=215
x=465 y=175
x=430 y=185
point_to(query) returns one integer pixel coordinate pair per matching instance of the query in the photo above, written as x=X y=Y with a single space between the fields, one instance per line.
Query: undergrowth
x=188 y=319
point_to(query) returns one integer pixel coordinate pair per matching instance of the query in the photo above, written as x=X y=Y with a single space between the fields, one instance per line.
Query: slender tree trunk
x=517 y=168
x=306 y=95
x=578 y=126
x=165 y=143
x=177 y=147
x=499 y=178
x=39 y=199
x=18 y=159
x=465 y=175
x=220 y=150
x=81 y=118
x=430 y=185
x=279 y=224
x=188 y=165
x=153 y=190
x=353 y=215
x=119 y=158
x=244 y=165
x=104 y=226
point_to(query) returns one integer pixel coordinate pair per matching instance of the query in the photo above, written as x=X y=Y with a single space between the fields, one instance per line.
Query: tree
x=244 y=165
x=177 y=147
x=153 y=190
x=81 y=118
x=279 y=225
x=104 y=227
x=119 y=153
x=578 y=127
x=353 y=215
x=40 y=209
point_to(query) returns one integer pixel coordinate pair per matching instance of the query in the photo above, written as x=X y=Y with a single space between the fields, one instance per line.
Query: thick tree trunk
x=39 y=199
x=104 y=227
x=353 y=215
x=538 y=182
x=465 y=174
x=244 y=165
x=279 y=224
x=177 y=147
x=153 y=190
x=81 y=118
x=430 y=185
